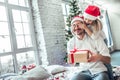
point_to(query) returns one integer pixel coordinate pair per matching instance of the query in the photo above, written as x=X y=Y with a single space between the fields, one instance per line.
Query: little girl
x=92 y=25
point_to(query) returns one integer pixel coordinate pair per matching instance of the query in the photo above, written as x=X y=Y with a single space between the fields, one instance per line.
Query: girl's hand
x=84 y=26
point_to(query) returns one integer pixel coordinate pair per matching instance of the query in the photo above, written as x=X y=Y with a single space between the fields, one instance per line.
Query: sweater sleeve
x=95 y=35
x=102 y=47
x=98 y=34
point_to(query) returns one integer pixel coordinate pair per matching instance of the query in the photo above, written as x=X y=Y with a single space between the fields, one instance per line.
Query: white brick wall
x=49 y=26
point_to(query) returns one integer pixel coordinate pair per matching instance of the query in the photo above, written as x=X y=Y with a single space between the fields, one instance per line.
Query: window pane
x=28 y=41
x=63 y=9
x=18 y=28
x=26 y=28
x=16 y=15
x=6 y=64
x=5 y=44
x=3 y=16
x=1 y=0
x=65 y=18
x=22 y=28
x=19 y=2
x=4 y=28
x=20 y=41
x=67 y=8
x=25 y=17
x=15 y=2
x=23 y=3
x=24 y=41
x=25 y=58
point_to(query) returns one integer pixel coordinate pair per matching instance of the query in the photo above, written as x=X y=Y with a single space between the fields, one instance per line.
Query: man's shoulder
x=71 y=39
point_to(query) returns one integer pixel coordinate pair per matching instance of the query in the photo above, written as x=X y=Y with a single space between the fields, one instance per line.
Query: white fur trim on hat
x=75 y=19
x=88 y=16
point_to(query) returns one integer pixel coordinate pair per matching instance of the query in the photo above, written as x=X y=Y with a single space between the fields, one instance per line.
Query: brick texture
x=49 y=29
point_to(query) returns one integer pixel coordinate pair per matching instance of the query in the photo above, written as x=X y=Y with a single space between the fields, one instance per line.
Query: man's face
x=77 y=30
x=88 y=21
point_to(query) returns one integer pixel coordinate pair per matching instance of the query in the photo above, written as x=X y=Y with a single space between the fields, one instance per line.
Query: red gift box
x=76 y=56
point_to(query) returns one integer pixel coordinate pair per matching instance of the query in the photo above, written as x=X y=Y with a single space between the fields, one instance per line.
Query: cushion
x=54 y=69
x=37 y=73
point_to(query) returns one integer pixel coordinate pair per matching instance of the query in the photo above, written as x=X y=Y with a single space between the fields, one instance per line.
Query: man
x=94 y=69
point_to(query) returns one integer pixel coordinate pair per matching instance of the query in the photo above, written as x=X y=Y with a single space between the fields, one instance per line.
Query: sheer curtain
x=106 y=28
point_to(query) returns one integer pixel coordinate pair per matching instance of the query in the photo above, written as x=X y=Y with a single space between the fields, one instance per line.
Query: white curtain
x=107 y=29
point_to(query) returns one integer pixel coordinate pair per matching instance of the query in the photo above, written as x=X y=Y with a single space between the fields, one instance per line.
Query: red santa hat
x=92 y=12
x=80 y=18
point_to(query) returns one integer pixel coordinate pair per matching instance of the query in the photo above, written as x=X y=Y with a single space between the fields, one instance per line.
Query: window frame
x=13 y=41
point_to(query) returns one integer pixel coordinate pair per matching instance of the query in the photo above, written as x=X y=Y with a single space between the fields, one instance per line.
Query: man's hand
x=94 y=57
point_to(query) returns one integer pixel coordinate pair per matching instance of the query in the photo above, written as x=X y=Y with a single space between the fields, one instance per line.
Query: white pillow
x=37 y=73
x=54 y=69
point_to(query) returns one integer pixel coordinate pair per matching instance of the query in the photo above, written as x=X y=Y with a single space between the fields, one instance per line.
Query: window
x=25 y=59
x=65 y=10
x=1 y=0
x=4 y=31
x=106 y=28
x=21 y=28
x=6 y=64
x=19 y=2
x=16 y=36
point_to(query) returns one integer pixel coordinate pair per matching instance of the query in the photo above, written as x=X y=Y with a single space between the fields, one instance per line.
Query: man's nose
x=76 y=26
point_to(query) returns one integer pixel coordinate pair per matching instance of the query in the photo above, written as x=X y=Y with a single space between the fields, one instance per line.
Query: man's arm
x=103 y=52
x=105 y=59
x=98 y=57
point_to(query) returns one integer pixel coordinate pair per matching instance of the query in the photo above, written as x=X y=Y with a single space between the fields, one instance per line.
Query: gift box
x=78 y=56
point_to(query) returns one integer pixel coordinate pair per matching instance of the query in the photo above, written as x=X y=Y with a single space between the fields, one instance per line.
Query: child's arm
x=89 y=32
x=92 y=34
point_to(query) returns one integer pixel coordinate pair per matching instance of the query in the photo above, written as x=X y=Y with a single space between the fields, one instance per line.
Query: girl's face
x=88 y=21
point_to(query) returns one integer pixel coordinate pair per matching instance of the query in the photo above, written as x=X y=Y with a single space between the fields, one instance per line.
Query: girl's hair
x=97 y=25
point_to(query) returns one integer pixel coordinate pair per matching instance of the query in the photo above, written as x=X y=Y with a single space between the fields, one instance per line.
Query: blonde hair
x=96 y=26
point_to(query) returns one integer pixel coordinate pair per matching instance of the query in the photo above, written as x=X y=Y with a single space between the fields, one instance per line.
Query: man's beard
x=80 y=32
